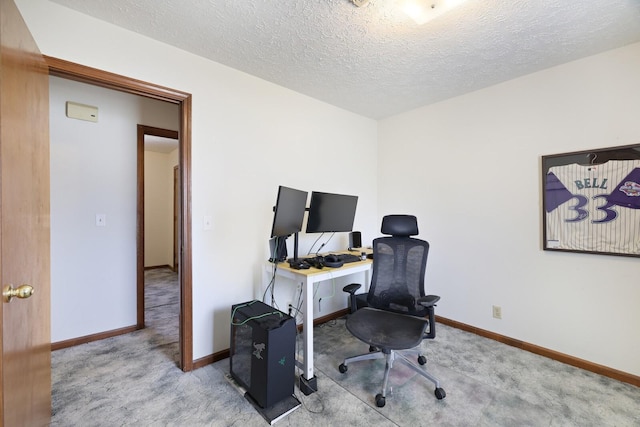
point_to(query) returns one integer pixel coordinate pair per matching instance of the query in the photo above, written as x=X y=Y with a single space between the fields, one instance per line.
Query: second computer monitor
x=330 y=212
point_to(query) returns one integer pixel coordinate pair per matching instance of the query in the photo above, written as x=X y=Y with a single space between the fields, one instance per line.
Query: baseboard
x=551 y=354
x=89 y=338
x=328 y=317
x=212 y=358
x=224 y=354
x=198 y=363
x=155 y=267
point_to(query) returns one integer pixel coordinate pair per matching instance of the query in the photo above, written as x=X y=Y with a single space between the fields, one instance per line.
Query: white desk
x=307 y=278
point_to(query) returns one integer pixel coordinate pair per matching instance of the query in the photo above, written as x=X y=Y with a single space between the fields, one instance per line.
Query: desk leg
x=308 y=381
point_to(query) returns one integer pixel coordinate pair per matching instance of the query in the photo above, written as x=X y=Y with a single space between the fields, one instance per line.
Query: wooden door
x=25 y=337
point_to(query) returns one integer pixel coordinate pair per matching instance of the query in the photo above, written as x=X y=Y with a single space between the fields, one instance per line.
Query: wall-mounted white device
x=82 y=111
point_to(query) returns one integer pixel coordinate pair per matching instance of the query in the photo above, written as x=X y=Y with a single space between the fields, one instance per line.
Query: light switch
x=208 y=222
x=101 y=220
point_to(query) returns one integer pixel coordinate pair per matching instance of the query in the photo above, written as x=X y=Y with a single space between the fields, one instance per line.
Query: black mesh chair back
x=399 y=264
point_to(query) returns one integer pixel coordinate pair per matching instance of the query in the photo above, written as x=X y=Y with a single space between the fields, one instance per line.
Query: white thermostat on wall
x=82 y=111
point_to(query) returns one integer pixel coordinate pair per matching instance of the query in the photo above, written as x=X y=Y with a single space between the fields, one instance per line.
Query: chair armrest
x=352 y=288
x=428 y=300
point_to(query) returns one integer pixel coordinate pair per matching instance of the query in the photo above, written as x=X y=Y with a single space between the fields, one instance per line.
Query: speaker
x=355 y=239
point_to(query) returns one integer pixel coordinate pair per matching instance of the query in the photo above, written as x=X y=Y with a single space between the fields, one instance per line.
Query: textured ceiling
x=373 y=60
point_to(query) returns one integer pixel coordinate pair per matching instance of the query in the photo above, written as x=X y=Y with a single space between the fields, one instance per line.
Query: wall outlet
x=207 y=222
x=101 y=220
x=497 y=312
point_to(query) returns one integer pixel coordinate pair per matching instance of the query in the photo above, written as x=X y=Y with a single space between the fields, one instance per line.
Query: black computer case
x=263 y=351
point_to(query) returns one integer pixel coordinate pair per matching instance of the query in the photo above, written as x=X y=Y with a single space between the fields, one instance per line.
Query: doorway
x=72 y=71
x=157 y=214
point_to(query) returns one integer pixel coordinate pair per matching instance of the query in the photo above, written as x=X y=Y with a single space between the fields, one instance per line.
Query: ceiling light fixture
x=422 y=11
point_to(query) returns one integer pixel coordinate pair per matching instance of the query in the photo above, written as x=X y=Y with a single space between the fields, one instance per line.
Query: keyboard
x=347 y=258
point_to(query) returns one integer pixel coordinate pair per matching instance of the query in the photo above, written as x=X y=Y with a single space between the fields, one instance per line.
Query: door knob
x=23 y=291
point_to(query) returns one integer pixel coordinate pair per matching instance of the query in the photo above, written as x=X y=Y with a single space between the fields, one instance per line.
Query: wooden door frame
x=93 y=76
x=175 y=214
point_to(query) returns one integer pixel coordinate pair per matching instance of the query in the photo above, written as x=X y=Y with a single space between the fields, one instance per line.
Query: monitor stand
x=295 y=262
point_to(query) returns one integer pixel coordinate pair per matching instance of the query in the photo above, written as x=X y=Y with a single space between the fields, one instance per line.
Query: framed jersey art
x=591 y=201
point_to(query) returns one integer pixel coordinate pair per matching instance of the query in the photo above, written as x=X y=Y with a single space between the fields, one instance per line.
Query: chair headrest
x=400 y=225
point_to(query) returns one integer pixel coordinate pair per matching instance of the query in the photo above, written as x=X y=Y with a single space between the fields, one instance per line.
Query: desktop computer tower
x=262 y=349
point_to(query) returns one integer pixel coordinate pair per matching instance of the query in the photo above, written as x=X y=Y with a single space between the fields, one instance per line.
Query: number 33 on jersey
x=594 y=207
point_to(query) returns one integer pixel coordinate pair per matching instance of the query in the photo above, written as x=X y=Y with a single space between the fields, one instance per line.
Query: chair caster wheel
x=440 y=393
x=422 y=360
x=380 y=400
x=342 y=368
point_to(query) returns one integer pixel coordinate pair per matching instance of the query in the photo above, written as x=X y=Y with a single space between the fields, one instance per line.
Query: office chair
x=398 y=312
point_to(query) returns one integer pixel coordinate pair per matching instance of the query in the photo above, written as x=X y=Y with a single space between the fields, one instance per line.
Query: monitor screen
x=330 y=213
x=289 y=212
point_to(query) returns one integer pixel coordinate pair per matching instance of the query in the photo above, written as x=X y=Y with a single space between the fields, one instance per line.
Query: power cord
x=233 y=314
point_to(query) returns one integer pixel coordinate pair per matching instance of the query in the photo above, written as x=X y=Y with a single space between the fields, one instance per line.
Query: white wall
x=475 y=189
x=93 y=171
x=248 y=137
x=158 y=208
x=473 y=179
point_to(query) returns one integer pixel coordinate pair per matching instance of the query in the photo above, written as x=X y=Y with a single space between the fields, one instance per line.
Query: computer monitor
x=288 y=216
x=288 y=212
x=330 y=212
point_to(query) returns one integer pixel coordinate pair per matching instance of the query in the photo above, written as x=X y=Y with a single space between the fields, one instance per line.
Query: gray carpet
x=133 y=380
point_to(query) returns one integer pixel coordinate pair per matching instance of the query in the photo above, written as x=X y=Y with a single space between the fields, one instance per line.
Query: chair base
x=391 y=356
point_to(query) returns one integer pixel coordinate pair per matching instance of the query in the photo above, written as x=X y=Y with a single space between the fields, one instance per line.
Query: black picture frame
x=591 y=201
